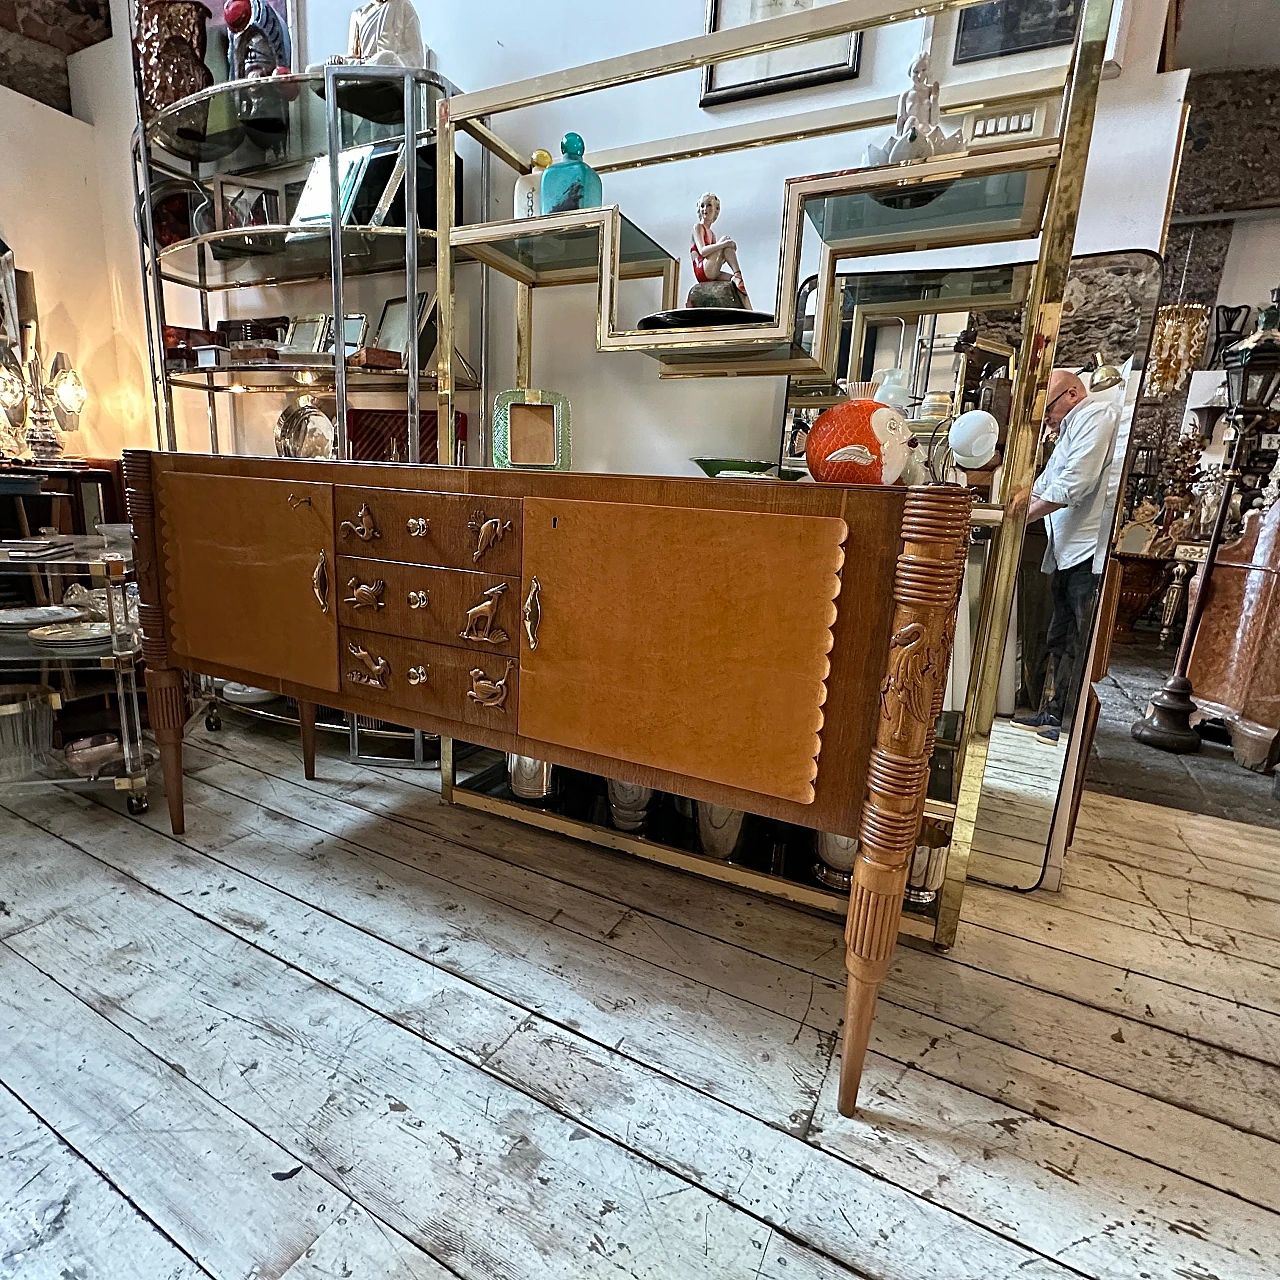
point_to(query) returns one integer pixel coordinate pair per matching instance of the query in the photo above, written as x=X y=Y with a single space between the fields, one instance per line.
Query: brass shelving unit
x=994 y=191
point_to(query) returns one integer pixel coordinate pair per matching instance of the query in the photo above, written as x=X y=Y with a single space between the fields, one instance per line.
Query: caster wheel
x=213 y=721
x=138 y=804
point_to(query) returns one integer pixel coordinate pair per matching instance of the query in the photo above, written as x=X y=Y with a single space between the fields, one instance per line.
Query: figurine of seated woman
x=715 y=263
x=919 y=134
x=384 y=33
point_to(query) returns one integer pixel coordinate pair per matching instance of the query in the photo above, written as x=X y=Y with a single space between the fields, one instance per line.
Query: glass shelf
x=88 y=555
x=283 y=377
x=251 y=257
x=1001 y=204
x=17 y=653
x=563 y=248
x=248 y=126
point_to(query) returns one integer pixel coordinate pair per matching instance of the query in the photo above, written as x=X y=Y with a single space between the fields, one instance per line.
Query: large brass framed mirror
x=957 y=331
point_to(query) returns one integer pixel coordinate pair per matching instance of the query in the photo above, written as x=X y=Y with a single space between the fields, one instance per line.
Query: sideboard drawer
x=472 y=688
x=455 y=530
x=477 y=611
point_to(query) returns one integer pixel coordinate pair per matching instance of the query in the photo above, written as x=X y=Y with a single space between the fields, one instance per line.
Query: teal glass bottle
x=571 y=183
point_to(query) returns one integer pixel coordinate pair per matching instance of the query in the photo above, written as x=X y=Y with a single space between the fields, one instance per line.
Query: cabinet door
x=251 y=575
x=688 y=640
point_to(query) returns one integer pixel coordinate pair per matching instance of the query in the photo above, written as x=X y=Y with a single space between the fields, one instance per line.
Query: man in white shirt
x=1070 y=496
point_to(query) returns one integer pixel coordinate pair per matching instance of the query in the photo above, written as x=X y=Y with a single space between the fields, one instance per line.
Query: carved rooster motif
x=365 y=595
x=487 y=532
x=480 y=618
x=376 y=670
x=488 y=692
x=903 y=695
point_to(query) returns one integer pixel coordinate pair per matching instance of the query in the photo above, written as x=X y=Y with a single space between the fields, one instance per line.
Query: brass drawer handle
x=295 y=502
x=320 y=582
x=417 y=675
x=419 y=599
x=418 y=526
x=373 y=671
x=533 y=612
x=362 y=526
x=365 y=595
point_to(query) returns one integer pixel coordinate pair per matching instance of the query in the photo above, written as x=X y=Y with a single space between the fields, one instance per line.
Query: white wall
x=51 y=216
x=624 y=419
x=1252 y=268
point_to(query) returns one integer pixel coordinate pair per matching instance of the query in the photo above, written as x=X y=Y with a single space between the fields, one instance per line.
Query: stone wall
x=35 y=38
x=1231 y=160
x=35 y=70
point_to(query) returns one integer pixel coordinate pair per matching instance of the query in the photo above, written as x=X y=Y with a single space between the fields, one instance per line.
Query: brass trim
x=479 y=625
x=417 y=526
x=320 y=581
x=533 y=612
x=295 y=502
x=376 y=670
x=418 y=675
x=489 y=532
x=419 y=599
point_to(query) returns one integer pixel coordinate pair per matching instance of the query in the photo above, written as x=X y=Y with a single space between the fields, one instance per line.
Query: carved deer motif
x=363 y=526
x=365 y=595
x=488 y=692
x=376 y=670
x=487 y=532
x=480 y=618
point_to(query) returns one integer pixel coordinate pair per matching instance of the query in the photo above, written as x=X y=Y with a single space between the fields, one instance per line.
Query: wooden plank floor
x=339 y=1029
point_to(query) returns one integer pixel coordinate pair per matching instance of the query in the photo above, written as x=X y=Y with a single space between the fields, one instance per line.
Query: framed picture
x=393 y=328
x=531 y=430
x=800 y=67
x=1014 y=26
x=305 y=334
x=313 y=205
x=354 y=328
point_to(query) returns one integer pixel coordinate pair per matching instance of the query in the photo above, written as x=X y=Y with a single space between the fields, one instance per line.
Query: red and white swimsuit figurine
x=715 y=260
x=859 y=442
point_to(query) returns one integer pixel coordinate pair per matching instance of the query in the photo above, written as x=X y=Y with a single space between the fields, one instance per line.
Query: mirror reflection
x=945 y=342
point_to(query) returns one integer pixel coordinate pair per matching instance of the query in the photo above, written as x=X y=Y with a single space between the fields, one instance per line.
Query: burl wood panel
x=689 y=640
x=476 y=611
x=240 y=557
x=1235 y=664
x=448 y=529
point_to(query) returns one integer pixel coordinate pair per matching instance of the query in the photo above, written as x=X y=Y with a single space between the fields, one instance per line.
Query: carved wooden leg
x=307 y=724
x=935 y=528
x=167 y=712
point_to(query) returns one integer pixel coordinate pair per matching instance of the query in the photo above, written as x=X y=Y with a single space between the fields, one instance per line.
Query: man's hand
x=1018 y=503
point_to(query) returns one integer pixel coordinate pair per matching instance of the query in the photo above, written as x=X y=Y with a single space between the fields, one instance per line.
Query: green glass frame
x=502 y=429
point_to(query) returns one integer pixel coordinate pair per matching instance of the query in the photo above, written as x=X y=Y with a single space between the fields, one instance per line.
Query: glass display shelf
x=1002 y=204
x=564 y=248
x=283 y=377
x=248 y=126
x=17 y=653
x=88 y=554
x=251 y=257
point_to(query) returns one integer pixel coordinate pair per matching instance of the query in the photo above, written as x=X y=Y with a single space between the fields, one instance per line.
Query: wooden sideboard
x=776 y=648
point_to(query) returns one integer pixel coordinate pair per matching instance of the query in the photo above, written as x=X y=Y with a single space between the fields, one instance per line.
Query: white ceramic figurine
x=920 y=134
x=385 y=33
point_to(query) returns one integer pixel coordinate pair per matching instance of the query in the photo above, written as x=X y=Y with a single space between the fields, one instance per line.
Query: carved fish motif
x=487 y=532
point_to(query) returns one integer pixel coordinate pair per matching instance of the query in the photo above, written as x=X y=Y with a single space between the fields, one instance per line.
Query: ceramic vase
x=836 y=856
x=170 y=40
x=719 y=829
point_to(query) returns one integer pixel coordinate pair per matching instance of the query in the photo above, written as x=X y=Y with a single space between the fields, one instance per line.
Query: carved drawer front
x=477 y=611
x=438 y=680
x=454 y=530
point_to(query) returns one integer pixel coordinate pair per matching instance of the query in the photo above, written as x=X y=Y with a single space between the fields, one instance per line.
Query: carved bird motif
x=487 y=532
x=488 y=692
x=903 y=695
x=366 y=595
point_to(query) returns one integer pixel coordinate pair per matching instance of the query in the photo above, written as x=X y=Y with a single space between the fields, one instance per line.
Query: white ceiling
x=1220 y=34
